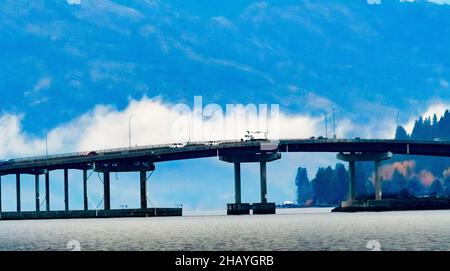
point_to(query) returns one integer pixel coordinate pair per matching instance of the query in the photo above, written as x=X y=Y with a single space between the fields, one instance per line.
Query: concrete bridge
x=143 y=160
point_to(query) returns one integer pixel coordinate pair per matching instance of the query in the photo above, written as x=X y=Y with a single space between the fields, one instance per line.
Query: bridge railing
x=196 y=145
x=34 y=159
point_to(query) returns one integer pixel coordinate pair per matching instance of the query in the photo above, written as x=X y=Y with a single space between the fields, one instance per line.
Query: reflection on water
x=290 y=229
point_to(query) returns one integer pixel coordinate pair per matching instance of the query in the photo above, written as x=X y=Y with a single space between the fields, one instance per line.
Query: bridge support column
x=36 y=189
x=47 y=191
x=352 y=158
x=263 y=175
x=378 y=190
x=0 y=193
x=106 y=191
x=264 y=207
x=237 y=183
x=352 y=181
x=66 y=189
x=18 y=192
x=143 y=185
x=239 y=208
x=85 y=190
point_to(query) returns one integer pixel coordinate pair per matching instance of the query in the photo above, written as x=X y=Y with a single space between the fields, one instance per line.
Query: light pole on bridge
x=129 y=130
x=46 y=143
x=334 y=122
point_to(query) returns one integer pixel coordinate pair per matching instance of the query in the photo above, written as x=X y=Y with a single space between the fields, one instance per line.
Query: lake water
x=290 y=229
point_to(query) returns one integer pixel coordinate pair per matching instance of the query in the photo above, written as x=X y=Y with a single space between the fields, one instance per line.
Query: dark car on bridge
x=92 y=153
x=4 y=162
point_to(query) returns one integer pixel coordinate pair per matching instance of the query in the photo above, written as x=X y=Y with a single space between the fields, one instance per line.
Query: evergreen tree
x=427 y=129
x=401 y=133
x=445 y=126
x=398 y=185
x=435 y=127
x=340 y=184
x=446 y=187
x=415 y=187
x=322 y=189
x=304 y=190
x=417 y=130
x=364 y=187
x=436 y=188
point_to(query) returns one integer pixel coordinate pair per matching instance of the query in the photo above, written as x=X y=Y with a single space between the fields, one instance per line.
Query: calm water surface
x=291 y=229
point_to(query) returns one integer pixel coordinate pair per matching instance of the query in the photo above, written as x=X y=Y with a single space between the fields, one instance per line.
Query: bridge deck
x=161 y=153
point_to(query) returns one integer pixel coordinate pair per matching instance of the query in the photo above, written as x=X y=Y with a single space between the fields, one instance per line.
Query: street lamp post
x=189 y=128
x=46 y=143
x=129 y=131
x=334 y=122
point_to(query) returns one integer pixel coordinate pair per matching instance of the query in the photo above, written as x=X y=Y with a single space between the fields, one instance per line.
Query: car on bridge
x=258 y=135
x=92 y=153
x=4 y=162
x=213 y=143
x=178 y=145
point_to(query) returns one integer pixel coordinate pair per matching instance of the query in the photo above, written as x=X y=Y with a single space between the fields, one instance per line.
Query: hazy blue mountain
x=59 y=60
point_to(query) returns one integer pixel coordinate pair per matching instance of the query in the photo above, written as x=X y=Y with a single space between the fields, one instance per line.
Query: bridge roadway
x=143 y=159
x=163 y=153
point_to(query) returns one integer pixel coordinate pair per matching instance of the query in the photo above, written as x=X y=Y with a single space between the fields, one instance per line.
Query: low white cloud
x=14 y=141
x=151 y=123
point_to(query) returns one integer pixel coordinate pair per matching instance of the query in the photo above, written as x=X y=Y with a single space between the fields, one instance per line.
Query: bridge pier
x=238 y=208
x=263 y=207
x=352 y=181
x=263 y=173
x=18 y=192
x=378 y=190
x=0 y=193
x=66 y=189
x=106 y=168
x=106 y=191
x=47 y=191
x=36 y=189
x=85 y=191
x=143 y=186
x=352 y=158
x=237 y=183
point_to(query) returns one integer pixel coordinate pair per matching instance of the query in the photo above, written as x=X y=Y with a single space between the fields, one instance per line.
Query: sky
x=78 y=70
